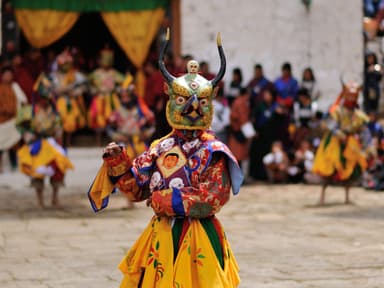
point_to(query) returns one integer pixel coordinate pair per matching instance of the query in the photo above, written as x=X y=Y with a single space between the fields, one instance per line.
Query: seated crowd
x=272 y=127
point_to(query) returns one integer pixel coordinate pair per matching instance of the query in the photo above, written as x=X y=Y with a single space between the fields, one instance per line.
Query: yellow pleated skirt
x=150 y=262
x=333 y=160
x=29 y=164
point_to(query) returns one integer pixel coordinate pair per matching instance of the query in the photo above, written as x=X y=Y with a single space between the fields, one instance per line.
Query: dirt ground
x=280 y=238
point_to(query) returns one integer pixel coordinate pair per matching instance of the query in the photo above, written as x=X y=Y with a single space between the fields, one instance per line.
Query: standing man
x=286 y=86
x=258 y=83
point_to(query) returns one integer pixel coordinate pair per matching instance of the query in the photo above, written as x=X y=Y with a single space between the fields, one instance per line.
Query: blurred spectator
x=11 y=99
x=371 y=7
x=304 y=109
x=373 y=177
x=303 y=112
x=154 y=89
x=78 y=59
x=276 y=163
x=34 y=63
x=156 y=99
x=205 y=71
x=10 y=32
x=170 y=64
x=9 y=52
x=286 y=86
x=379 y=17
x=257 y=84
x=372 y=78
x=316 y=129
x=237 y=141
x=51 y=63
x=179 y=67
x=308 y=82
x=207 y=74
x=265 y=118
x=220 y=119
x=301 y=163
x=22 y=76
x=375 y=128
x=235 y=85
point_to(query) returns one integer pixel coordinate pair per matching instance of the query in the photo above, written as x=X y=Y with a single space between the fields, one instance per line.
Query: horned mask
x=190 y=96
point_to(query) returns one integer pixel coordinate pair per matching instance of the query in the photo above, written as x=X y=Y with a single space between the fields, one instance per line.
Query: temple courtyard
x=280 y=237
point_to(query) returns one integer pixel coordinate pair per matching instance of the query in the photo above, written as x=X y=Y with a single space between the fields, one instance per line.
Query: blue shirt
x=287 y=89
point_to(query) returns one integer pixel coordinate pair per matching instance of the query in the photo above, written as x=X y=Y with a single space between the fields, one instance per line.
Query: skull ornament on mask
x=190 y=96
x=193 y=67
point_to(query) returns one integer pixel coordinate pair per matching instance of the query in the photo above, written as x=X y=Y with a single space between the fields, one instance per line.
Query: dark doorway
x=88 y=36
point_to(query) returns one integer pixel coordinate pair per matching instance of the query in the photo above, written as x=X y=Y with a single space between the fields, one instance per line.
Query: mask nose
x=192 y=104
x=195 y=102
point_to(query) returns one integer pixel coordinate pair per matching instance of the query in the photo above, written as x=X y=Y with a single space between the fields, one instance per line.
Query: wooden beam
x=176 y=27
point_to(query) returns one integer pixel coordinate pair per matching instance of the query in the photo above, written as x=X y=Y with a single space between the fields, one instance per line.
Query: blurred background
x=78 y=74
x=78 y=45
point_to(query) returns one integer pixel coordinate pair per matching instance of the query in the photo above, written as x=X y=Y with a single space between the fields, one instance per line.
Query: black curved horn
x=223 y=62
x=168 y=77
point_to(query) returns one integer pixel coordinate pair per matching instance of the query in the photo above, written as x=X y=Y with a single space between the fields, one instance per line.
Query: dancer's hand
x=112 y=150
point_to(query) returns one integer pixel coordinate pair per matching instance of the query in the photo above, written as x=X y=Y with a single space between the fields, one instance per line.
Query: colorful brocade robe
x=187 y=182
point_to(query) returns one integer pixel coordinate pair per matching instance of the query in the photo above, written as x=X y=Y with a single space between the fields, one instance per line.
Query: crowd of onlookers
x=273 y=127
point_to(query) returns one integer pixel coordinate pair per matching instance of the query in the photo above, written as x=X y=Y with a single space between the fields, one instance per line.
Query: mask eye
x=204 y=102
x=180 y=100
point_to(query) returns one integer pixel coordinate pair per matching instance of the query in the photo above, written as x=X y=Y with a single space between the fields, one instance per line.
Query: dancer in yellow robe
x=340 y=155
x=42 y=155
x=186 y=177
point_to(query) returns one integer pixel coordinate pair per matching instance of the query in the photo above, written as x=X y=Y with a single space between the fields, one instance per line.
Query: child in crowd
x=301 y=165
x=276 y=163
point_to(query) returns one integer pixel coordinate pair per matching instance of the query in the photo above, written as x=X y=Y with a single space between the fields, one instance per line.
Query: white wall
x=328 y=37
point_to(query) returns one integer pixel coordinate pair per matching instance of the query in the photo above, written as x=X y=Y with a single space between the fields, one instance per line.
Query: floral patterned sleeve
x=121 y=174
x=204 y=200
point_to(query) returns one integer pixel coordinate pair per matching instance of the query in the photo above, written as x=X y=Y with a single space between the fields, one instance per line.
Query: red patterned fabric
x=204 y=197
x=197 y=185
